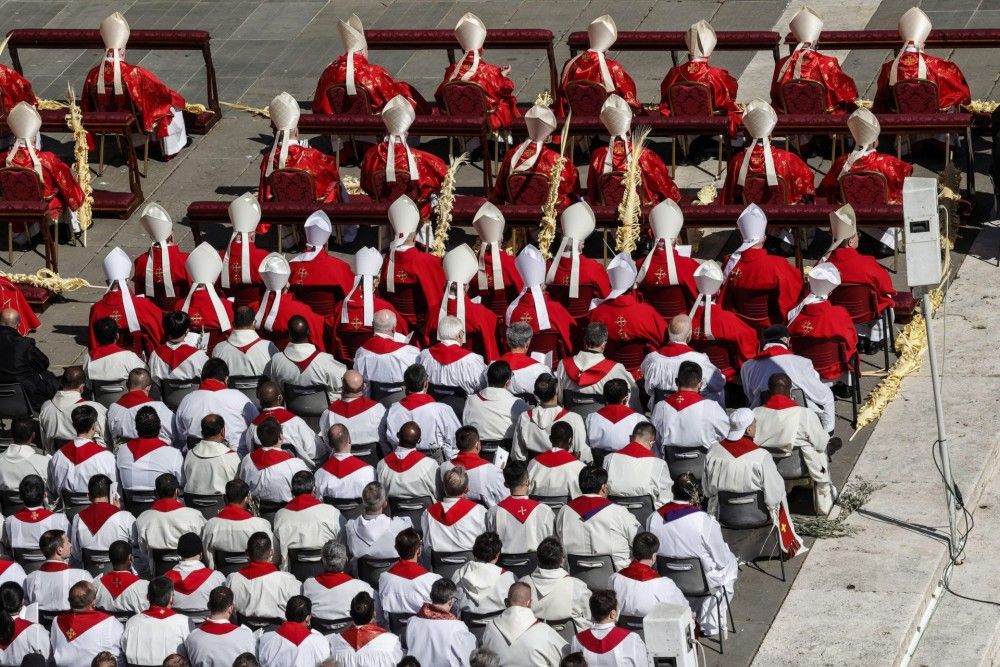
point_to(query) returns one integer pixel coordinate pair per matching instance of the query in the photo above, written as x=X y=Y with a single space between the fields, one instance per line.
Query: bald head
x=269 y=395
x=139 y=379
x=354 y=383
x=10 y=318
x=680 y=329
x=340 y=438
x=73 y=378
x=384 y=322
x=780 y=384
x=519 y=595
x=409 y=435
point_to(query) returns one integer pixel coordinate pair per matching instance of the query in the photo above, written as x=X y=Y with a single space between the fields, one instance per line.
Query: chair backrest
x=20 y=184
x=564 y=627
x=687 y=573
x=73 y=502
x=791 y=465
x=578 y=307
x=828 y=355
x=465 y=99
x=322 y=299
x=14 y=402
x=349 y=340
x=228 y=562
x=370 y=569
x=256 y=623
x=409 y=506
x=172 y=392
x=477 y=623
x=757 y=307
x=293 y=185
x=864 y=188
x=521 y=565
x=611 y=188
x=29 y=559
x=329 y=626
x=343 y=103
x=447 y=563
x=591 y=570
x=490 y=447
x=639 y=506
x=743 y=510
x=757 y=191
x=409 y=301
x=386 y=393
x=137 y=502
x=916 y=96
x=385 y=191
x=305 y=563
x=247 y=385
x=803 y=96
x=366 y=451
x=397 y=623
x=306 y=400
x=581 y=403
x=349 y=508
x=554 y=502
x=208 y=504
x=632 y=623
x=722 y=354
x=453 y=397
x=685 y=459
x=107 y=392
x=860 y=301
x=668 y=300
x=629 y=353
x=528 y=187
x=96 y=561
x=584 y=97
x=690 y=99
x=164 y=560
x=10 y=502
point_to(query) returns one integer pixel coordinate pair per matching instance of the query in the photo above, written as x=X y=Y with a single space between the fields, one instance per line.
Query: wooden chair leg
x=10 y=245
x=718 y=164
x=281 y=237
x=100 y=157
x=673 y=158
x=145 y=159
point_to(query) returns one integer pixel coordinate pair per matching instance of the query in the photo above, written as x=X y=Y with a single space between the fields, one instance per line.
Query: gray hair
x=334 y=556
x=595 y=335
x=451 y=328
x=384 y=321
x=483 y=657
x=373 y=498
x=519 y=335
x=679 y=330
x=455 y=482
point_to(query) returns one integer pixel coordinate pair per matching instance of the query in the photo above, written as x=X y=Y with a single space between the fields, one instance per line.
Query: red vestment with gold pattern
x=654 y=174
x=149 y=316
x=788 y=166
x=760 y=270
x=841 y=91
x=14 y=89
x=587 y=67
x=726 y=326
x=512 y=282
x=151 y=98
x=657 y=274
x=894 y=170
x=12 y=297
x=373 y=79
x=952 y=87
x=58 y=183
x=824 y=320
x=178 y=273
x=415 y=267
x=568 y=186
x=859 y=269
x=323 y=168
x=560 y=320
x=287 y=309
x=498 y=88
x=431 y=168
x=629 y=319
x=722 y=84
x=323 y=270
x=203 y=316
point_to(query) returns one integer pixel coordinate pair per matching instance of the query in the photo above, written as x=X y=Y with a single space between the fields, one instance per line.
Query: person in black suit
x=22 y=362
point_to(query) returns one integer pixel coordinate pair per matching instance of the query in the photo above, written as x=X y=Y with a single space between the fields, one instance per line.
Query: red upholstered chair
x=111 y=102
x=757 y=191
x=829 y=358
x=722 y=354
x=293 y=186
x=756 y=307
x=629 y=353
x=548 y=341
x=347 y=342
x=496 y=300
x=18 y=184
x=386 y=191
x=691 y=99
x=861 y=301
x=410 y=302
x=585 y=98
x=803 y=96
x=668 y=300
x=467 y=99
x=611 y=188
x=916 y=96
x=528 y=187
x=864 y=188
x=579 y=307
x=322 y=299
x=344 y=103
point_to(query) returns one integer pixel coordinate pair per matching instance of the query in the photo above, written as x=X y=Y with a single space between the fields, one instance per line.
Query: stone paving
x=263 y=47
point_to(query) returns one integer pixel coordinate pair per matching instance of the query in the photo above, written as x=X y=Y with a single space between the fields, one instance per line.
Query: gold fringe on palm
x=352 y=184
x=864 y=104
x=630 y=208
x=445 y=202
x=256 y=111
x=50 y=280
x=51 y=105
x=981 y=106
x=81 y=162
x=195 y=107
x=544 y=98
x=547 y=225
x=706 y=195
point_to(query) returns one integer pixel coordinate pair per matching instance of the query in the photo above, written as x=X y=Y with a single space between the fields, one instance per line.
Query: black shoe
x=865 y=346
x=841 y=390
x=833 y=447
x=875 y=346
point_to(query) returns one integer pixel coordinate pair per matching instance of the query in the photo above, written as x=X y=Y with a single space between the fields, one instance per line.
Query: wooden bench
x=151 y=40
x=118 y=123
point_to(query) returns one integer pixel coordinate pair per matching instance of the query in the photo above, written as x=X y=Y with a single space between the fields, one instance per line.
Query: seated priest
x=609 y=163
x=666 y=277
x=115 y=85
x=534 y=307
x=593 y=65
x=159 y=273
x=493 y=79
x=460 y=267
x=241 y=259
x=354 y=72
x=722 y=85
x=573 y=278
x=806 y=63
x=912 y=63
x=497 y=281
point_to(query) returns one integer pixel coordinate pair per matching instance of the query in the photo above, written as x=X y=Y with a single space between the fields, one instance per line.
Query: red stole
x=158 y=612
x=304 y=364
x=302 y=502
x=683 y=398
x=773 y=351
x=20 y=625
x=447 y=354
x=213 y=628
x=413 y=401
x=167 y=505
x=77 y=454
x=555 y=458
x=134 y=398
x=469 y=460
x=607 y=643
x=616 y=413
x=352 y=408
x=779 y=402
x=356 y=637
x=588 y=506
x=258 y=569
x=674 y=349
x=75 y=623
x=519 y=508
x=332 y=579
x=676 y=510
x=397 y=464
x=453 y=514
x=212 y=385
x=234 y=513
x=636 y=451
x=142 y=446
x=589 y=377
x=191 y=583
x=101 y=351
x=175 y=356
x=264 y=458
x=518 y=361
x=33 y=515
x=407 y=569
x=639 y=572
x=739 y=447
x=54 y=566
x=95 y=516
x=380 y=345
x=341 y=468
x=279 y=414
x=294 y=632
